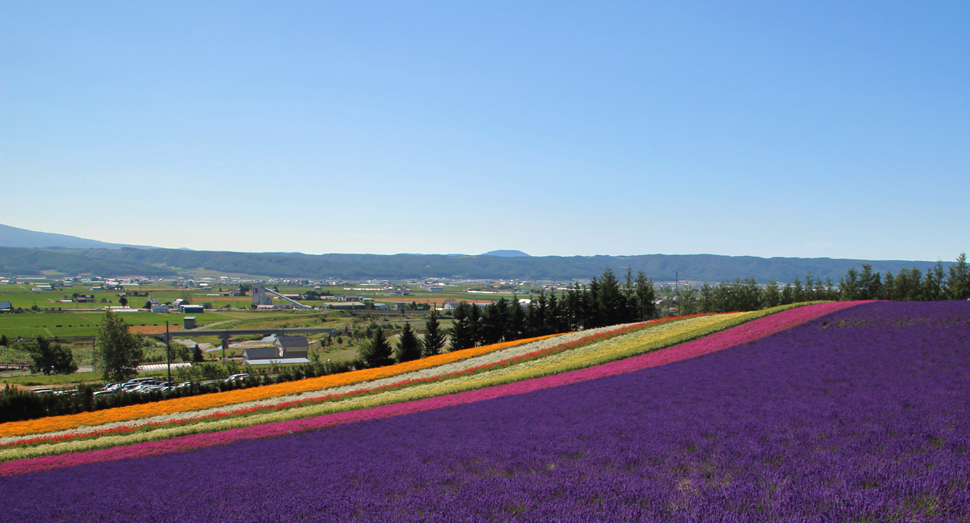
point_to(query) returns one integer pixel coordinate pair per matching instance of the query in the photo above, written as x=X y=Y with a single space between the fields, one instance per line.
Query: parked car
x=139 y=381
x=236 y=378
x=131 y=387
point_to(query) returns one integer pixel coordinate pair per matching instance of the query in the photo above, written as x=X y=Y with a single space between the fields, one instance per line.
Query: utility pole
x=168 y=353
x=677 y=289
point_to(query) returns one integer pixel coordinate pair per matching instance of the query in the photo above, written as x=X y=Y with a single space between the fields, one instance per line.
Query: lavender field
x=862 y=415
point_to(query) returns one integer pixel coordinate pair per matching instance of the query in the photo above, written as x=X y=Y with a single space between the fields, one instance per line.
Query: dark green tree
x=494 y=322
x=3 y=340
x=377 y=352
x=908 y=285
x=849 y=286
x=182 y=352
x=516 y=323
x=461 y=332
x=771 y=295
x=117 y=352
x=888 y=286
x=434 y=339
x=645 y=296
x=934 y=285
x=408 y=345
x=50 y=358
x=609 y=302
x=476 y=324
x=958 y=283
x=197 y=356
x=870 y=283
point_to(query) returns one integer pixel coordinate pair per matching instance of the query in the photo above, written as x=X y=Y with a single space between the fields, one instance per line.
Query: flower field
x=857 y=411
x=494 y=365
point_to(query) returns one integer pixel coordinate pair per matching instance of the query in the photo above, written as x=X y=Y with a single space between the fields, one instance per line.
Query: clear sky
x=807 y=129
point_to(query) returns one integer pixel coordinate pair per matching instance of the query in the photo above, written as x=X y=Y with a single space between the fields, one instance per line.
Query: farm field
x=69 y=323
x=855 y=410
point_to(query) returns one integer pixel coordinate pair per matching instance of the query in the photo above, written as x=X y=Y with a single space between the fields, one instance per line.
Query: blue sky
x=826 y=129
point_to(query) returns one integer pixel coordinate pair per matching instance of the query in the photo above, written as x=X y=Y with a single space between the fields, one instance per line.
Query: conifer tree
x=408 y=346
x=645 y=296
x=958 y=284
x=476 y=325
x=377 y=352
x=462 y=333
x=434 y=339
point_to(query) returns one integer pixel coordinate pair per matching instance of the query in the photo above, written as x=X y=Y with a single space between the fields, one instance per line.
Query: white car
x=236 y=378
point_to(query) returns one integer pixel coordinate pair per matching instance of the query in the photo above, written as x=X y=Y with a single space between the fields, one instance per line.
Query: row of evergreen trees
x=908 y=285
x=605 y=301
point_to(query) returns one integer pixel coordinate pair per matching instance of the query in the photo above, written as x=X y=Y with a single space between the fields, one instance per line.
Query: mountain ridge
x=122 y=260
x=16 y=237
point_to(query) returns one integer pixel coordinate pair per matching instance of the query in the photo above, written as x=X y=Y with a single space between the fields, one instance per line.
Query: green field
x=68 y=323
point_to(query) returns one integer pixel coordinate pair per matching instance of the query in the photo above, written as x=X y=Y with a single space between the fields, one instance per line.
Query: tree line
x=908 y=284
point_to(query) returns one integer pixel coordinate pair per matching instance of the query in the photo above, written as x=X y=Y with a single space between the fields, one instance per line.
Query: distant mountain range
x=17 y=237
x=111 y=260
x=507 y=254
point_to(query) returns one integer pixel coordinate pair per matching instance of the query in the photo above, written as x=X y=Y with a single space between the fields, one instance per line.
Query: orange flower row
x=207 y=401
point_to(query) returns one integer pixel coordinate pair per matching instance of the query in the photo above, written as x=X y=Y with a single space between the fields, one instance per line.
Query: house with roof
x=6 y=306
x=261 y=355
x=285 y=349
x=450 y=304
x=292 y=346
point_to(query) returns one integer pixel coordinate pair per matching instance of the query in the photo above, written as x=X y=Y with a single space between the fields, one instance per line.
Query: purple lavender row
x=859 y=415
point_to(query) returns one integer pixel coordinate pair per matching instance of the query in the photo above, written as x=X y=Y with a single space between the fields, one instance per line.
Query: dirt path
x=204 y=327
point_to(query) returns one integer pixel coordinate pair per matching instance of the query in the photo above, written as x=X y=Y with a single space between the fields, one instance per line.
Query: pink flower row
x=741 y=334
